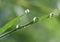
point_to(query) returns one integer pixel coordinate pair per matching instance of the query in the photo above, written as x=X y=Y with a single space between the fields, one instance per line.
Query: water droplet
x=35 y=19
x=27 y=11
x=17 y=26
x=51 y=14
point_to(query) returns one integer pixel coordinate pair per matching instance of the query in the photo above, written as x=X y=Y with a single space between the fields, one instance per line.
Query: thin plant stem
x=20 y=27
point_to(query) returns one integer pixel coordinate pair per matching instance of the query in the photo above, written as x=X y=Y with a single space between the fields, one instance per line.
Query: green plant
x=35 y=19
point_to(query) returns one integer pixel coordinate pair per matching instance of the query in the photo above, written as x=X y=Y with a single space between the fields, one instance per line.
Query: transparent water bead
x=35 y=19
x=27 y=11
x=17 y=26
x=51 y=14
x=55 y=13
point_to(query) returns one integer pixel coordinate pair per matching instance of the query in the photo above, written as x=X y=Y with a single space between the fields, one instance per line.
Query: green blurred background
x=43 y=31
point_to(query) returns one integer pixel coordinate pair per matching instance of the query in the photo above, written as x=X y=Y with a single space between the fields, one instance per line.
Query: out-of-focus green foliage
x=47 y=30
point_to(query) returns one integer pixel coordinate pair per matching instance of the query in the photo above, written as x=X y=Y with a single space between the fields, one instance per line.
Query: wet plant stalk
x=9 y=32
x=21 y=27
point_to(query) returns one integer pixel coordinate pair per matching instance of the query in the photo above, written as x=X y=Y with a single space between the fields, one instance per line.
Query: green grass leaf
x=9 y=24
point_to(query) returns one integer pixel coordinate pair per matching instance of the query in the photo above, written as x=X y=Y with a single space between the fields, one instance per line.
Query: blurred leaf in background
x=43 y=31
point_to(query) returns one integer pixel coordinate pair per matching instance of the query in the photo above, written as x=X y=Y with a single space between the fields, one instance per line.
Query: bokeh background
x=43 y=31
